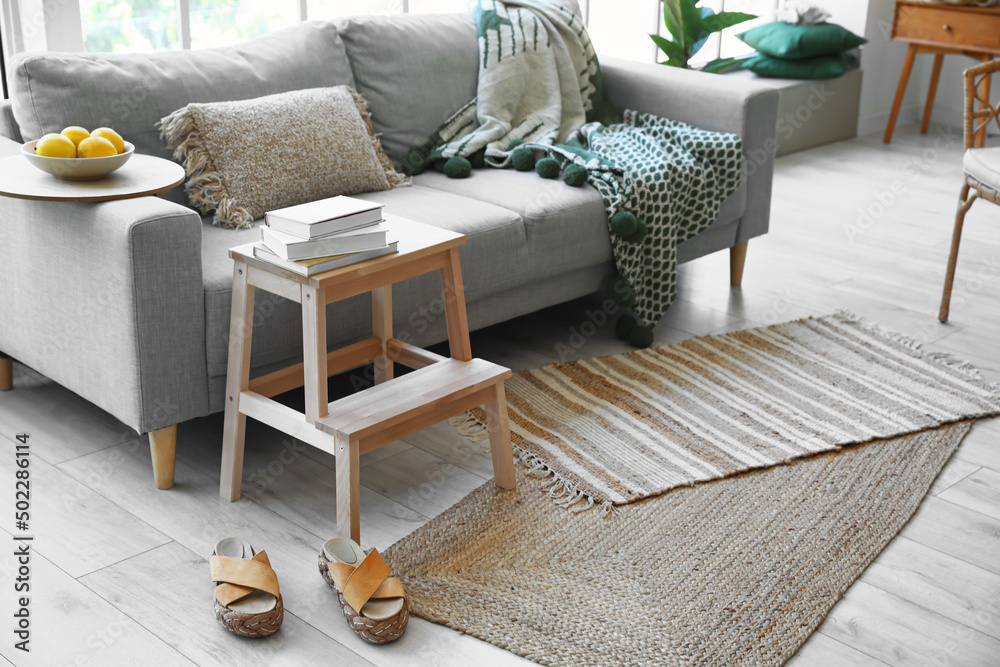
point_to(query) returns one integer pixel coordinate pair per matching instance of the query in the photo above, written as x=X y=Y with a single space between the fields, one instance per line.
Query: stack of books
x=323 y=235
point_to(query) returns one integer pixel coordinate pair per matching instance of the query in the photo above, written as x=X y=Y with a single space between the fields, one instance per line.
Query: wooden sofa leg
x=737 y=257
x=6 y=374
x=163 y=447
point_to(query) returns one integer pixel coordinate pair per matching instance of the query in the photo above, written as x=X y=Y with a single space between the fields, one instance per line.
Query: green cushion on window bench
x=790 y=41
x=822 y=67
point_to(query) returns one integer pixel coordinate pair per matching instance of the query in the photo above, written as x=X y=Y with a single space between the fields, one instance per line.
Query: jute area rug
x=736 y=572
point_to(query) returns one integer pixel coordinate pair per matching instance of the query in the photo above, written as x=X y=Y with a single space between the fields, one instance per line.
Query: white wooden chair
x=981 y=165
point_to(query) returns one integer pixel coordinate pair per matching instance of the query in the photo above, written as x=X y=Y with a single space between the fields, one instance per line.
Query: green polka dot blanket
x=540 y=106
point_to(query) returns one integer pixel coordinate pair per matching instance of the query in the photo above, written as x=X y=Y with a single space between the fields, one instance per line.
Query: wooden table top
x=417 y=241
x=142 y=175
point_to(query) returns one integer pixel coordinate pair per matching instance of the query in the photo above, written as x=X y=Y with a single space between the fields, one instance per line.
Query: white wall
x=882 y=62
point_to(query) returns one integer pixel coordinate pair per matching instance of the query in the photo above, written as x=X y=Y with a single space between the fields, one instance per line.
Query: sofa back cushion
x=131 y=92
x=415 y=70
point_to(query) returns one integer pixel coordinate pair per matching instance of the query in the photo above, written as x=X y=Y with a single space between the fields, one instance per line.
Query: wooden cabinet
x=941 y=30
x=968 y=28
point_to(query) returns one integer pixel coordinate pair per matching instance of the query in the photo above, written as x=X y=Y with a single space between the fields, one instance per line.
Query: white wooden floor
x=120 y=575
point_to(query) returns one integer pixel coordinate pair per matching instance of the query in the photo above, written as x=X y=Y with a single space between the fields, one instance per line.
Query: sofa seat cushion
x=494 y=259
x=566 y=226
x=131 y=92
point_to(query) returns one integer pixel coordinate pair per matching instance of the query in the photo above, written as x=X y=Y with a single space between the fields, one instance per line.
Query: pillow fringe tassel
x=204 y=185
x=395 y=178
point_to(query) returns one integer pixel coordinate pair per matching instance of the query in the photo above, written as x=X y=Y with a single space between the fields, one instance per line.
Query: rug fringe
x=947 y=359
x=470 y=428
x=562 y=491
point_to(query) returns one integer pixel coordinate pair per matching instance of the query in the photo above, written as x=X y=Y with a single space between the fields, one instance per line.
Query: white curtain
x=40 y=25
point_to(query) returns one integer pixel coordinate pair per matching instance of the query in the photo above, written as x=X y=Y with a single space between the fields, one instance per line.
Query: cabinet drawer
x=962 y=28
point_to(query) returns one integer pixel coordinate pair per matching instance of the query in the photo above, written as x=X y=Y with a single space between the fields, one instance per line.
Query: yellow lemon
x=76 y=134
x=112 y=136
x=96 y=147
x=55 y=145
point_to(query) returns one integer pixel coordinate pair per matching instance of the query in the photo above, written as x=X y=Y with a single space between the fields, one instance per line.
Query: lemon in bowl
x=95 y=157
x=75 y=133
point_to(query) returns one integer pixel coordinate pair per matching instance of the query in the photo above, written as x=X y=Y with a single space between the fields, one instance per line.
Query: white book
x=288 y=246
x=324 y=216
x=310 y=267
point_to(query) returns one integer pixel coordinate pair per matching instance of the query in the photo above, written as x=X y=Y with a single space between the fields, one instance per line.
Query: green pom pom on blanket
x=457 y=167
x=641 y=336
x=623 y=224
x=523 y=159
x=575 y=175
x=547 y=167
x=514 y=143
x=640 y=232
x=413 y=162
x=624 y=326
x=478 y=159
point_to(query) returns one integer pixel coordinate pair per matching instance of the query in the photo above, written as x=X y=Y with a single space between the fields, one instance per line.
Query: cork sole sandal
x=374 y=603
x=247 y=599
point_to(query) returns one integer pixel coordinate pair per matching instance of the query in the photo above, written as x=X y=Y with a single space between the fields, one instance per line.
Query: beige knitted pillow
x=252 y=156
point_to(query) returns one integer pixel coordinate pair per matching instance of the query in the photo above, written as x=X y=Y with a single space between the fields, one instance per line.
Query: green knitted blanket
x=540 y=104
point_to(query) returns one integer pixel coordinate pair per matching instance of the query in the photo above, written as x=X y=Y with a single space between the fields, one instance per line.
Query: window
x=121 y=26
x=622 y=29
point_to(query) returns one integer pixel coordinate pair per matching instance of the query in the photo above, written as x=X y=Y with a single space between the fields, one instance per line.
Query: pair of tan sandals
x=248 y=599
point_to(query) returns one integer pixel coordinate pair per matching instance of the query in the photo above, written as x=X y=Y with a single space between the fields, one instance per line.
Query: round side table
x=142 y=175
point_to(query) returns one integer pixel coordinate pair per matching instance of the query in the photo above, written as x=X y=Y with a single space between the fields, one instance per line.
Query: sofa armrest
x=107 y=300
x=8 y=126
x=713 y=102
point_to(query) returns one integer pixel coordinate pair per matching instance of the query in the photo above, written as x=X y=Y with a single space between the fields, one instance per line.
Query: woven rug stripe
x=619 y=429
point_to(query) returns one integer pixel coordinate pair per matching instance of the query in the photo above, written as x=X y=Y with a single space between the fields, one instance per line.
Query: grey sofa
x=127 y=302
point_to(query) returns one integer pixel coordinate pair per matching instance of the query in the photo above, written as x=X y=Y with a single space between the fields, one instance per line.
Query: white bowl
x=77 y=168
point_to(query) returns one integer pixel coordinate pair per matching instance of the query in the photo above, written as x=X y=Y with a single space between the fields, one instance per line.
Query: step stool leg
x=454 y=308
x=237 y=380
x=382 y=329
x=348 y=490
x=314 y=351
x=499 y=429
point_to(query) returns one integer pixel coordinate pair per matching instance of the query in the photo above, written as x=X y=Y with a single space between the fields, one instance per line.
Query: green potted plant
x=690 y=25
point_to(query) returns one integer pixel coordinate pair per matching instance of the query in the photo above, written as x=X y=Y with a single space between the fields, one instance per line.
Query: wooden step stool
x=439 y=388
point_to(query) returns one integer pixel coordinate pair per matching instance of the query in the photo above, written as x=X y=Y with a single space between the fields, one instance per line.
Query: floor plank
x=195 y=516
x=77 y=528
x=954 y=472
x=982 y=445
x=443 y=441
x=421 y=481
x=957 y=531
x=295 y=482
x=824 y=651
x=81 y=428
x=980 y=491
x=941 y=583
x=138 y=587
x=72 y=625
x=902 y=633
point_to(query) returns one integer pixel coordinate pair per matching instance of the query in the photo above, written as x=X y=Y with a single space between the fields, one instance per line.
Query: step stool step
x=420 y=392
